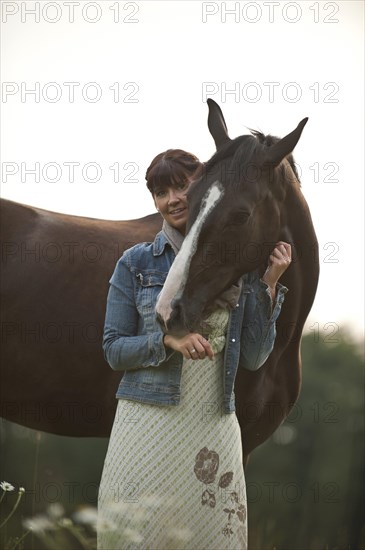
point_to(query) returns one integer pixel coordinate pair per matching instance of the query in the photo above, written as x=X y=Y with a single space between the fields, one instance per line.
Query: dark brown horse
x=248 y=198
x=55 y=272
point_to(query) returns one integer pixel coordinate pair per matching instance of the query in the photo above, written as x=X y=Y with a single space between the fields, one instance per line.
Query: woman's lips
x=177 y=211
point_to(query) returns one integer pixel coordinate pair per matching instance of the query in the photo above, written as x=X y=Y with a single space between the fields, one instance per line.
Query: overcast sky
x=92 y=91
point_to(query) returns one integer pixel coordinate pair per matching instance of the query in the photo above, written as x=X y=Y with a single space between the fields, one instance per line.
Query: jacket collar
x=159 y=244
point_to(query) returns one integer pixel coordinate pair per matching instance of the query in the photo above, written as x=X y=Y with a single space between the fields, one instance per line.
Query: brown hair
x=171 y=168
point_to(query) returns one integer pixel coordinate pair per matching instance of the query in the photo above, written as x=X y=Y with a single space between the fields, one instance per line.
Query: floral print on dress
x=206 y=465
x=206 y=470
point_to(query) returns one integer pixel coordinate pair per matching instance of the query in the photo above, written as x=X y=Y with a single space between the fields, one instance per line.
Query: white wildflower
x=105 y=524
x=151 y=501
x=65 y=522
x=6 y=486
x=135 y=511
x=180 y=534
x=38 y=524
x=132 y=535
x=55 y=511
x=86 y=515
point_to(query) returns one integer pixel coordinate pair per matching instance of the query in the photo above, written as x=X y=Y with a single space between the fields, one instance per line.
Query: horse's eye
x=238 y=218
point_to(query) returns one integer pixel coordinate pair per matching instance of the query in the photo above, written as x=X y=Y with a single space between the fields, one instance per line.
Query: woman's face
x=172 y=204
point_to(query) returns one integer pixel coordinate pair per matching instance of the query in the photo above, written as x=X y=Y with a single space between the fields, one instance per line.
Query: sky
x=92 y=91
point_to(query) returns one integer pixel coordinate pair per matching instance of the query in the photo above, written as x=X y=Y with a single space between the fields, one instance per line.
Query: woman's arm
x=279 y=261
x=262 y=308
x=123 y=348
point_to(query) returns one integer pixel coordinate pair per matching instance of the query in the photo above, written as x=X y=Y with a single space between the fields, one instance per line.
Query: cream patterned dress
x=173 y=476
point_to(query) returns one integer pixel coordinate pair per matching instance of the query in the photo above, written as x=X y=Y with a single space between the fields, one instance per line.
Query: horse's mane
x=271 y=140
x=242 y=150
x=245 y=146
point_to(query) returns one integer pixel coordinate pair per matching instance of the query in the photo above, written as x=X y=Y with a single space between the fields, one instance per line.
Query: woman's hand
x=279 y=261
x=192 y=345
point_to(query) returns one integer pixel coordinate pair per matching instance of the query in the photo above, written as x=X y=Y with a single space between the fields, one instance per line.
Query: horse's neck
x=297 y=226
x=298 y=230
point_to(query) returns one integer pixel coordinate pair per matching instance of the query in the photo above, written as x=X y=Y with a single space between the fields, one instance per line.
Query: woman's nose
x=173 y=196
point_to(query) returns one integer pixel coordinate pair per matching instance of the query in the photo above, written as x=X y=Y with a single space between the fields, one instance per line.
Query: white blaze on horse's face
x=178 y=274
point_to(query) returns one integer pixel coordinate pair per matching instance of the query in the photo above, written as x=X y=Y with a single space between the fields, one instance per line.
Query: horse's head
x=236 y=215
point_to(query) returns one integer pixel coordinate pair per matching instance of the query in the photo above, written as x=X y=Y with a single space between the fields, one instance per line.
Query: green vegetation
x=305 y=484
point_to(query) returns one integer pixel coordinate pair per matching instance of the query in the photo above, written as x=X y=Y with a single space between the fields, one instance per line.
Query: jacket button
x=228 y=372
x=233 y=340
x=237 y=305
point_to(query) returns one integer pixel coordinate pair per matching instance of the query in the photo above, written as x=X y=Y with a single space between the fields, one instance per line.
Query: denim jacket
x=133 y=339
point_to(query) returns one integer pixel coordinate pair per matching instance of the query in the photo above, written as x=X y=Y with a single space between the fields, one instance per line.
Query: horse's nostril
x=172 y=323
x=176 y=311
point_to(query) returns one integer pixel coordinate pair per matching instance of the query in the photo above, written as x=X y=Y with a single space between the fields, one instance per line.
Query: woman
x=173 y=475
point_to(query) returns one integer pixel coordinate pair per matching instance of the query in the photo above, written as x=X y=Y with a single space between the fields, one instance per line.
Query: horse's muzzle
x=176 y=324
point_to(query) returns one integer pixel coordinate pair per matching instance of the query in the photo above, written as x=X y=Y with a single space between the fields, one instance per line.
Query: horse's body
x=54 y=377
x=54 y=284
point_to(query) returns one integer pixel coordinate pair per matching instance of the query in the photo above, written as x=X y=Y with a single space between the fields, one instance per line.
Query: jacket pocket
x=148 y=287
x=149 y=277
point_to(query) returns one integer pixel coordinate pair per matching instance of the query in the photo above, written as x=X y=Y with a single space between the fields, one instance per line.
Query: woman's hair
x=171 y=168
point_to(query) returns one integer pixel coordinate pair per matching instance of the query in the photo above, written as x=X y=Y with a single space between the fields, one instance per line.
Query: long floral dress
x=173 y=476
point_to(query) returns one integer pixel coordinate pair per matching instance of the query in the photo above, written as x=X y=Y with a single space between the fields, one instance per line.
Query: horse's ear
x=217 y=124
x=275 y=154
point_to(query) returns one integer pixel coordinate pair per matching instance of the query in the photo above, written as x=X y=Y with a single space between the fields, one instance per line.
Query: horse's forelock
x=241 y=143
x=234 y=156
x=237 y=155
x=269 y=140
